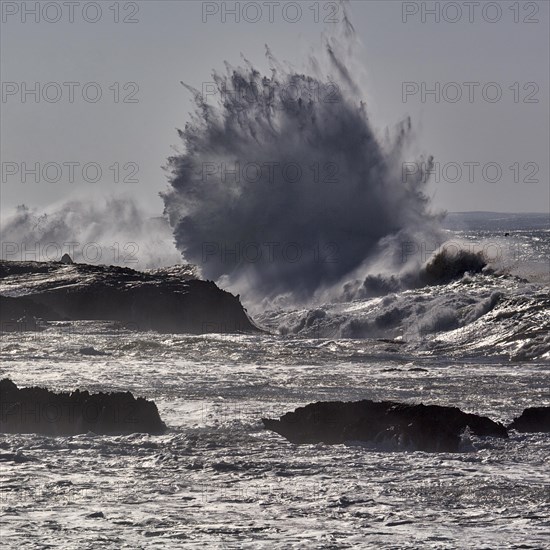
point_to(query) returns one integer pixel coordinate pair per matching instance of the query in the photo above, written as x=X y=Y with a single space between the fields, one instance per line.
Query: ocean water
x=217 y=479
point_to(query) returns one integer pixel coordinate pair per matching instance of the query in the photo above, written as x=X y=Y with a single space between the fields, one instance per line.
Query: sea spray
x=113 y=231
x=284 y=188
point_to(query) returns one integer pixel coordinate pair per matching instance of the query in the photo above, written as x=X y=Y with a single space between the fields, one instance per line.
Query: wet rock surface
x=532 y=419
x=38 y=410
x=165 y=300
x=430 y=428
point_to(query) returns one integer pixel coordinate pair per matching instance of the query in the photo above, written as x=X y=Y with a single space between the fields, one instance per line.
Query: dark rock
x=22 y=314
x=532 y=419
x=91 y=351
x=38 y=410
x=430 y=428
x=166 y=300
x=95 y=515
x=17 y=457
x=66 y=259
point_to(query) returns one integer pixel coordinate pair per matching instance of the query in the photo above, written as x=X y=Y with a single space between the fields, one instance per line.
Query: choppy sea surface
x=217 y=479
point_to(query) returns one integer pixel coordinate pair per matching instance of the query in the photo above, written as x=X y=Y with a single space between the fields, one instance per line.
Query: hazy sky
x=137 y=66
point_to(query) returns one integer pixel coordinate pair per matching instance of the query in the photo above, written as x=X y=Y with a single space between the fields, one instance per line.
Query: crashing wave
x=282 y=190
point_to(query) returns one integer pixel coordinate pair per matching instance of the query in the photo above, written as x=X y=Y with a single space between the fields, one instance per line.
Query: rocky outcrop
x=532 y=419
x=66 y=259
x=38 y=410
x=165 y=300
x=430 y=428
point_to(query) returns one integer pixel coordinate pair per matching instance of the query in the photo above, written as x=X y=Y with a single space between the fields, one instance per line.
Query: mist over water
x=114 y=231
x=285 y=188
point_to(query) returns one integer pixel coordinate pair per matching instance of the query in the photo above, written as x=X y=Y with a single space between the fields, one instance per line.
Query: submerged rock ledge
x=38 y=410
x=165 y=300
x=430 y=428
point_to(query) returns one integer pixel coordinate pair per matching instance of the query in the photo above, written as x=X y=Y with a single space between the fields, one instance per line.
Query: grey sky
x=170 y=42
